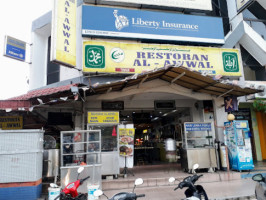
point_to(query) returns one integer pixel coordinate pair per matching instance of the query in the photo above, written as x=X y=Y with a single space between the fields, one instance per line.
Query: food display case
x=198 y=146
x=81 y=148
x=109 y=150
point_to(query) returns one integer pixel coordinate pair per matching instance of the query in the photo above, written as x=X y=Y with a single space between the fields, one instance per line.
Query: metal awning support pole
x=178 y=77
x=225 y=93
x=109 y=90
x=143 y=80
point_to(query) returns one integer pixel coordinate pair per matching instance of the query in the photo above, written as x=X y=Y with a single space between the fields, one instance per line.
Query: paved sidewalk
x=235 y=189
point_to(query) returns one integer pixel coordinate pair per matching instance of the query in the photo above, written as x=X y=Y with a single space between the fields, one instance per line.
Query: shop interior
x=152 y=128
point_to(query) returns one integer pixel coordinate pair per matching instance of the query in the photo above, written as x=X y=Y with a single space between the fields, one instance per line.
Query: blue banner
x=139 y=24
x=198 y=127
x=15 y=48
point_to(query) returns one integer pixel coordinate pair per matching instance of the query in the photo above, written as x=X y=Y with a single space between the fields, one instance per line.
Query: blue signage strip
x=15 y=48
x=139 y=24
x=198 y=126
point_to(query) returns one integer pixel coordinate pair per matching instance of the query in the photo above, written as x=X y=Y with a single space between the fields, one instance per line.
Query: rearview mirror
x=138 y=181
x=53 y=185
x=80 y=169
x=171 y=180
x=98 y=193
x=258 y=177
x=195 y=166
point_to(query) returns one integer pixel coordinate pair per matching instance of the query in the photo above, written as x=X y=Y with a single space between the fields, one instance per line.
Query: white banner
x=189 y=4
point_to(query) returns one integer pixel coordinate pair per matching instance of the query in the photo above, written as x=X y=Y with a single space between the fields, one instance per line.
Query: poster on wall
x=126 y=141
x=186 y=4
x=118 y=57
x=230 y=103
x=63 y=47
x=141 y=24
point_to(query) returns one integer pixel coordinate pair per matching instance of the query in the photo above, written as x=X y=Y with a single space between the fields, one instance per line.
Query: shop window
x=53 y=69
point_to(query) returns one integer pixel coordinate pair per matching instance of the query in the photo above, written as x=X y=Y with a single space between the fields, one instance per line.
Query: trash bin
x=91 y=190
x=223 y=157
x=53 y=193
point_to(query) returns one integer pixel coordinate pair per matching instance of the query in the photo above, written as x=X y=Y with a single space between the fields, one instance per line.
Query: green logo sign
x=230 y=61
x=94 y=56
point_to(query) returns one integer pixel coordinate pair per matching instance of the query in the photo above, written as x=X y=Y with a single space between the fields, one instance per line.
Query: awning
x=47 y=96
x=196 y=81
x=182 y=76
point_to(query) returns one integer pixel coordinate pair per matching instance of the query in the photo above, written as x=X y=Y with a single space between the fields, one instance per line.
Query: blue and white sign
x=138 y=24
x=15 y=48
x=198 y=126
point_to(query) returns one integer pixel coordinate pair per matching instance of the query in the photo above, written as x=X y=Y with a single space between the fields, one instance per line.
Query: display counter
x=198 y=146
x=205 y=157
x=109 y=149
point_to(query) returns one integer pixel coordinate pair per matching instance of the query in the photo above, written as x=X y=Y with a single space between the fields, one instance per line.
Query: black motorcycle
x=193 y=192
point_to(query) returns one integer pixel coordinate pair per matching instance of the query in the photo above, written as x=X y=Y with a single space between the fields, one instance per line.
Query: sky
x=16 y=17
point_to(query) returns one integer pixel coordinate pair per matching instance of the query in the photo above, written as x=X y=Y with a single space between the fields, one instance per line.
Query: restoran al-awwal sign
x=111 y=57
x=63 y=48
x=141 y=24
x=187 y=4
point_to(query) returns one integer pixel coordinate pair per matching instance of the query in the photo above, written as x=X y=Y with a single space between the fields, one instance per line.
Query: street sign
x=15 y=48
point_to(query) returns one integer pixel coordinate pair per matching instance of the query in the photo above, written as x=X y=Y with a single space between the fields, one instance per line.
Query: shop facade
x=154 y=76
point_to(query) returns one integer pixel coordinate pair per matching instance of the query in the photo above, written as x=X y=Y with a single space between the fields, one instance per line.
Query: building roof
x=43 y=92
x=26 y=101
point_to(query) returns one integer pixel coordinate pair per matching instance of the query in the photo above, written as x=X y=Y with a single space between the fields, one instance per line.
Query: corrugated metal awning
x=182 y=76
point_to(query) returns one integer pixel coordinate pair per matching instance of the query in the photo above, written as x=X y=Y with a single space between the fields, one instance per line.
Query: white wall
x=38 y=71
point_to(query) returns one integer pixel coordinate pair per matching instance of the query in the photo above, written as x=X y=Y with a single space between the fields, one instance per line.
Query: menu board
x=126 y=141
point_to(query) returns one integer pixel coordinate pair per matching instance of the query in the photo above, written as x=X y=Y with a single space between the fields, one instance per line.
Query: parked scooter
x=70 y=191
x=260 y=189
x=123 y=195
x=194 y=192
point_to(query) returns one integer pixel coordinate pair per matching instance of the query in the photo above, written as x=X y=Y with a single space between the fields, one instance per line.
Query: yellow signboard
x=103 y=117
x=11 y=122
x=63 y=49
x=111 y=57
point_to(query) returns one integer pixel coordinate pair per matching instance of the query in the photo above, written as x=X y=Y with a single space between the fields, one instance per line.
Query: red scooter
x=70 y=191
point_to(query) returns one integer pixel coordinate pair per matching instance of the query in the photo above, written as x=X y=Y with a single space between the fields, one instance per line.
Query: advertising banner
x=63 y=48
x=103 y=117
x=11 y=122
x=186 y=4
x=198 y=126
x=230 y=104
x=126 y=141
x=15 y=48
x=110 y=57
x=140 y=24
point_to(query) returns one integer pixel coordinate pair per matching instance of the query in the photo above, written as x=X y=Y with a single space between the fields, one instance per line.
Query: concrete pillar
x=220 y=116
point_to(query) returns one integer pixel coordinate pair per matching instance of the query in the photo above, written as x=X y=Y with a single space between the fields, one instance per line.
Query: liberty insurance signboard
x=15 y=48
x=138 y=24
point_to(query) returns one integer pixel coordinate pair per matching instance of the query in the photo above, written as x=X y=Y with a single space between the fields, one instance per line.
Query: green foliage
x=259 y=105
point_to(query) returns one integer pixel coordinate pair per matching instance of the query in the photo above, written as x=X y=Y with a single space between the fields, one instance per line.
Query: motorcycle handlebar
x=84 y=179
x=140 y=195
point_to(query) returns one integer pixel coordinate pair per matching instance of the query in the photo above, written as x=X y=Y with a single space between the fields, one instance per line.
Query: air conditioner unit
x=261 y=95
